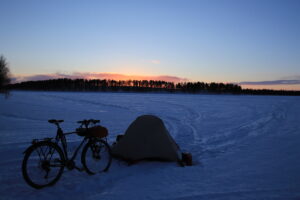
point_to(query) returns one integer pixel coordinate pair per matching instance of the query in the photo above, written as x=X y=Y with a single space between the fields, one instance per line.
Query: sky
x=255 y=43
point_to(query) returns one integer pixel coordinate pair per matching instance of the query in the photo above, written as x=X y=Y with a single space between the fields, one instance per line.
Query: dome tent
x=147 y=138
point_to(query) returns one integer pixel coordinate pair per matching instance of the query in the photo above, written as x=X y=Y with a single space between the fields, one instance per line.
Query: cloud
x=87 y=75
x=274 y=82
x=156 y=62
x=37 y=77
x=294 y=77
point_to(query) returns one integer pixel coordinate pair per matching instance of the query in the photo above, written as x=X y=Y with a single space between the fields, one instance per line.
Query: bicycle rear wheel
x=96 y=156
x=42 y=164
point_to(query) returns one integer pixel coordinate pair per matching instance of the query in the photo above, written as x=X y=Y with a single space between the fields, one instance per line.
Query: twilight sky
x=252 y=42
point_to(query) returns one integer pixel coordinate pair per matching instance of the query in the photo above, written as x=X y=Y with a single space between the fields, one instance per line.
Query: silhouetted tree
x=4 y=74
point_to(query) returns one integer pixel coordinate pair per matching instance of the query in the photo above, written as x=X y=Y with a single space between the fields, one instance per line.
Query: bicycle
x=44 y=161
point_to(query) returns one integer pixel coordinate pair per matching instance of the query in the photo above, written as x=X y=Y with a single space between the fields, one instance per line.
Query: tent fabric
x=147 y=138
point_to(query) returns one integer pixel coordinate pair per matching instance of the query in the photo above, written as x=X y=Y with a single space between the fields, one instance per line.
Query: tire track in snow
x=252 y=127
x=171 y=126
x=187 y=121
x=16 y=117
x=234 y=135
x=223 y=139
x=82 y=101
x=245 y=194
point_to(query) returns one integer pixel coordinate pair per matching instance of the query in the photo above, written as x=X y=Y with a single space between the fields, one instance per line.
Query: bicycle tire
x=96 y=156
x=49 y=156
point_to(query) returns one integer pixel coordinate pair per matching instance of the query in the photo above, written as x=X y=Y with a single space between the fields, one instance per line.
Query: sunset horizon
x=286 y=84
x=252 y=43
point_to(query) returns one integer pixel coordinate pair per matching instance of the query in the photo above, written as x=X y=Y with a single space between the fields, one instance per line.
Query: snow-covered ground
x=243 y=147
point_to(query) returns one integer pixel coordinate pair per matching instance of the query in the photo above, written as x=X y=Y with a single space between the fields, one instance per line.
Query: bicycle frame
x=60 y=136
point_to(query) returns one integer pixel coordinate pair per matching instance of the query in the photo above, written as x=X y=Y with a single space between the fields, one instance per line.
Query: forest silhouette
x=142 y=86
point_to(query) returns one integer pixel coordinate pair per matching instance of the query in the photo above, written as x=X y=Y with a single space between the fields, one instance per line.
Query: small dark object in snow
x=187 y=159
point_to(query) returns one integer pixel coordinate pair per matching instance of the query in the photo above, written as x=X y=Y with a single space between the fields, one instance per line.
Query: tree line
x=4 y=74
x=141 y=86
x=124 y=85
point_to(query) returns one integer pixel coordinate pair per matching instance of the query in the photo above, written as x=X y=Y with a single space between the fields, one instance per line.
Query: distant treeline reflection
x=141 y=86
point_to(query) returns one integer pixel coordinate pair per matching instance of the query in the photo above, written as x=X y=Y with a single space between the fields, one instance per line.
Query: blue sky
x=213 y=40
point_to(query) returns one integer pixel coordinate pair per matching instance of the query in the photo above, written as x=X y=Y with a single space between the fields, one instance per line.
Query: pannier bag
x=96 y=131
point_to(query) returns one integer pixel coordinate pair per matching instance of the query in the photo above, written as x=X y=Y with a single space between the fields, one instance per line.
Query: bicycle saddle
x=54 y=121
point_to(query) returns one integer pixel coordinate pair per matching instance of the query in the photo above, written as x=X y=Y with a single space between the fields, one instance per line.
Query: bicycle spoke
x=38 y=150
x=51 y=153
x=47 y=173
x=42 y=165
x=43 y=153
x=96 y=157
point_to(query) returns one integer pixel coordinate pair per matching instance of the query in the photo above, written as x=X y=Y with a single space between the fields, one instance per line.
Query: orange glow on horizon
x=108 y=76
x=295 y=87
x=115 y=76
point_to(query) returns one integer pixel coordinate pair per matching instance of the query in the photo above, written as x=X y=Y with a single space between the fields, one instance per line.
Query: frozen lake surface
x=243 y=147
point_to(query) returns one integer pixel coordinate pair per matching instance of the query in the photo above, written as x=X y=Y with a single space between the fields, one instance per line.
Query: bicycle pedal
x=80 y=169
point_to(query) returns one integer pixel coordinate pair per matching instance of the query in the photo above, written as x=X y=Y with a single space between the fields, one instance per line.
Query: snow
x=243 y=147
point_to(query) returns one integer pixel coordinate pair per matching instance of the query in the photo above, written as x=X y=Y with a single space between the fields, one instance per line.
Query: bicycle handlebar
x=87 y=122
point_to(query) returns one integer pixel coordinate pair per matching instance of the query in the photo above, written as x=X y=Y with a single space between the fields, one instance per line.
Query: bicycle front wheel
x=96 y=156
x=43 y=164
